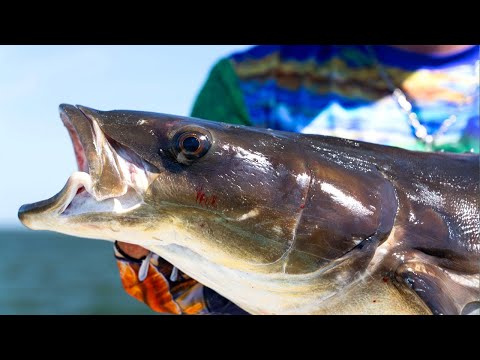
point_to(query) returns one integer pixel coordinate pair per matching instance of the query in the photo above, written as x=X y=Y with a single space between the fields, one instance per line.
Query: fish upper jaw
x=94 y=153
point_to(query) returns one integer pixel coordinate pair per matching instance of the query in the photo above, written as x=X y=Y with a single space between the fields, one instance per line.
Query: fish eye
x=191 y=144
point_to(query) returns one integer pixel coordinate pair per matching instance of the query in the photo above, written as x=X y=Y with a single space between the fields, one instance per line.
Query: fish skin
x=278 y=222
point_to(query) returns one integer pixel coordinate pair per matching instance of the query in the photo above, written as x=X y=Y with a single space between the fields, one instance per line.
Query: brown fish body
x=430 y=236
x=278 y=222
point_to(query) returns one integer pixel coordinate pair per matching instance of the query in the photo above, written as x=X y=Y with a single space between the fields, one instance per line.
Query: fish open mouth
x=110 y=176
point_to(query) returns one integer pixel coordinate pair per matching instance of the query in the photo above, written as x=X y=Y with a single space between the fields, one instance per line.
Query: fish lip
x=56 y=205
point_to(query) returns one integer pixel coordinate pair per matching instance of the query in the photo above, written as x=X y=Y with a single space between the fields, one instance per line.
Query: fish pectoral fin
x=440 y=293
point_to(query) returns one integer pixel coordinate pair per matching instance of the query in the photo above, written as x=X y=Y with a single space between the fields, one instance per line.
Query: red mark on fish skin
x=302 y=206
x=213 y=201
x=200 y=196
x=204 y=199
x=385 y=279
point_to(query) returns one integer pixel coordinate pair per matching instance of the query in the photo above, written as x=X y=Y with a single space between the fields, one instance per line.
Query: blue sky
x=35 y=151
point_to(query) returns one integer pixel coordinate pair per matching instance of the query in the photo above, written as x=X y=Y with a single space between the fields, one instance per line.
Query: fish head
x=156 y=180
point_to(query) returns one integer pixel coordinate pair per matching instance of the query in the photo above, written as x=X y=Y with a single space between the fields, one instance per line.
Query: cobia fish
x=277 y=222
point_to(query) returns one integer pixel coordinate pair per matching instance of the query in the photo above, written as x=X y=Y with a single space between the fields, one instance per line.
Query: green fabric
x=220 y=99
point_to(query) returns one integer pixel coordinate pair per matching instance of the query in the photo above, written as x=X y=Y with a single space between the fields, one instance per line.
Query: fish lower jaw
x=77 y=198
x=40 y=215
x=79 y=185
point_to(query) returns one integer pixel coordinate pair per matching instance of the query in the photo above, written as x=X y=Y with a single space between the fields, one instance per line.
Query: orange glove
x=177 y=294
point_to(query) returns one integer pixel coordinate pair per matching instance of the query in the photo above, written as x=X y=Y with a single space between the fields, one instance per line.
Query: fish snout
x=28 y=213
x=23 y=214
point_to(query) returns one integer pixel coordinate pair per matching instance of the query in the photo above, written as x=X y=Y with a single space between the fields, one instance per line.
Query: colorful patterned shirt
x=329 y=90
x=339 y=91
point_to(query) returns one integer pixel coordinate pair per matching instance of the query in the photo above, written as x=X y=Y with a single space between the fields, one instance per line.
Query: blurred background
x=48 y=273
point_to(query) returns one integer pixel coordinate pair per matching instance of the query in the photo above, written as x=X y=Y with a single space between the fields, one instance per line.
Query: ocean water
x=43 y=272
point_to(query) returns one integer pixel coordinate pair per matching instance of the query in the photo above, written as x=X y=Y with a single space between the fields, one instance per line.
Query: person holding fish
x=417 y=97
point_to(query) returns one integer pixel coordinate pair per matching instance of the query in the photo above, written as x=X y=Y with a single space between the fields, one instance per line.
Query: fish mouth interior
x=79 y=151
x=80 y=157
